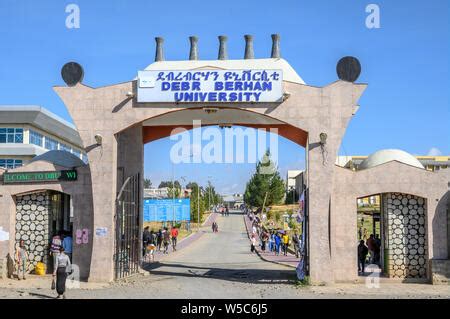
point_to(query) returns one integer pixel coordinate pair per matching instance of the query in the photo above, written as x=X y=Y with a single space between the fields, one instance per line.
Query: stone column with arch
x=112 y=110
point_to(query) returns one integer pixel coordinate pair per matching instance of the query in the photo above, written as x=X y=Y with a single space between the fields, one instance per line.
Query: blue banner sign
x=220 y=86
x=162 y=210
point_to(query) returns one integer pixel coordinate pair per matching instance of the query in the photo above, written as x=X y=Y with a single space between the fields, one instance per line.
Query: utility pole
x=264 y=203
x=198 y=207
x=173 y=195
x=209 y=193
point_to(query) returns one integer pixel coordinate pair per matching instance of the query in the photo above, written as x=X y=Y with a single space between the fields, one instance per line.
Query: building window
x=65 y=147
x=51 y=144
x=76 y=153
x=36 y=138
x=10 y=163
x=11 y=135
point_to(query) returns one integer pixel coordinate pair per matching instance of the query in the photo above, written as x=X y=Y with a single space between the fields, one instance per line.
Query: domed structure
x=388 y=155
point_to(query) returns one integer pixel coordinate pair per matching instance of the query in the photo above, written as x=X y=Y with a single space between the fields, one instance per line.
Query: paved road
x=221 y=266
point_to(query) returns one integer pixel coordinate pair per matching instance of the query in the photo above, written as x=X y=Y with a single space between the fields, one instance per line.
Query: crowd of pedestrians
x=159 y=241
x=276 y=241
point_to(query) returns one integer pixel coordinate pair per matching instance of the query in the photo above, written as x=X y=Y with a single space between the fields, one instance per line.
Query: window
x=10 y=163
x=76 y=153
x=11 y=135
x=65 y=147
x=36 y=138
x=50 y=143
x=84 y=157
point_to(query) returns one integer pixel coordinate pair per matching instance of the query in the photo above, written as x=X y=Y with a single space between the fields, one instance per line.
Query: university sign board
x=210 y=86
x=37 y=177
x=162 y=210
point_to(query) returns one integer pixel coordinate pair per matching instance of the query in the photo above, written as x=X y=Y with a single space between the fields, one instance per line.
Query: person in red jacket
x=371 y=245
x=174 y=234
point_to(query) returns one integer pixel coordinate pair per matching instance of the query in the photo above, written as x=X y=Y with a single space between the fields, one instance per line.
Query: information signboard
x=161 y=210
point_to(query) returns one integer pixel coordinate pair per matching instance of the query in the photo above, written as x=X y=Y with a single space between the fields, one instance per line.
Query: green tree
x=265 y=180
x=211 y=196
x=195 y=197
x=173 y=192
x=147 y=183
x=169 y=184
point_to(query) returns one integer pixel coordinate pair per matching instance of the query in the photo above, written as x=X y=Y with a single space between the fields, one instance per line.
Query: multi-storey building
x=28 y=131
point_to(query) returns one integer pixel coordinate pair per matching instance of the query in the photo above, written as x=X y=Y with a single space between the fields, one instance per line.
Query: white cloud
x=434 y=152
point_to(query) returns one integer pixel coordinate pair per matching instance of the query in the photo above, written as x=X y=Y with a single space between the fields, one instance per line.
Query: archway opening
x=188 y=169
x=42 y=217
x=400 y=250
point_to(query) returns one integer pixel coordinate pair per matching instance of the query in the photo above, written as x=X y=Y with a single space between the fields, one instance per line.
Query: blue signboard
x=162 y=210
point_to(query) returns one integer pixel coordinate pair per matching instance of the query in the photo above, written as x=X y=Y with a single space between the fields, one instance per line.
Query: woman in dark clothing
x=159 y=239
x=362 y=255
x=62 y=261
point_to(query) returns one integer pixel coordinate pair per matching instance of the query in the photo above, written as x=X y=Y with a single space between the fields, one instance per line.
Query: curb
x=261 y=256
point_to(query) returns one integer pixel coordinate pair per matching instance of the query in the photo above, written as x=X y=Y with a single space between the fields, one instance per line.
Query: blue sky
x=405 y=62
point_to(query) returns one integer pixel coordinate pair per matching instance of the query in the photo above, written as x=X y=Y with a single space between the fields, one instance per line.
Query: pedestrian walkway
x=159 y=255
x=289 y=260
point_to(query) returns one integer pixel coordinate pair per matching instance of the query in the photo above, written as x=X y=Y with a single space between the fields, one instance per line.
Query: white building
x=27 y=131
x=291 y=177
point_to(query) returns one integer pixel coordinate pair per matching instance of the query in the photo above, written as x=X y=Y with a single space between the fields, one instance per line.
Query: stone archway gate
x=109 y=121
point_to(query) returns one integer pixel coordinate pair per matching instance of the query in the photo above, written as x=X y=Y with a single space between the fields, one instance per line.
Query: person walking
x=159 y=239
x=285 y=243
x=67 y=244
x=264 y=238
x=145 y=240
x=362 y=255
x=21 y=260
x=296 y=241
x=253 y=243
x=166 y=240
x=55 y=245
x=62 y=262
x=270 y=241
x=277 y=244
x=371 y=245
x=174 y=234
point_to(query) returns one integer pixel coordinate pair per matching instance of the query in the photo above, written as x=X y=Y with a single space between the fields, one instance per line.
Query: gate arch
x=113 y=113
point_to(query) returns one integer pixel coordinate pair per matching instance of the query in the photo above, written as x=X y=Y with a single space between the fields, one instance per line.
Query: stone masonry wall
x=32 y=224
x=406 y=235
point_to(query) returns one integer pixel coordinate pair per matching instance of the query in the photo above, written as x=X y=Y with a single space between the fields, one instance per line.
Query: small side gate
x=127 y=252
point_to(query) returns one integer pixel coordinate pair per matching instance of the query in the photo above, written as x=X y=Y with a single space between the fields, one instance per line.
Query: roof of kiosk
x=388 y=155
x=289 y=73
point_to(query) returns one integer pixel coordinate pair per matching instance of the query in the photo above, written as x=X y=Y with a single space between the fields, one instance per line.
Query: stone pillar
x=91 y=112
x=337 y=106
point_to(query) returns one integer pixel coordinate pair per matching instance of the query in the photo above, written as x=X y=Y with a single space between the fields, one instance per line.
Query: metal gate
x=127 y=253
